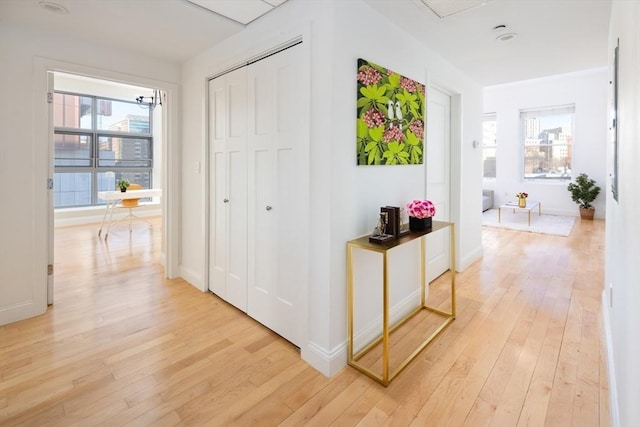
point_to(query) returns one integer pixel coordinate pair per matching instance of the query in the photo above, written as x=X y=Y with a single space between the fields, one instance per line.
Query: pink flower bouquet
x=421 y=209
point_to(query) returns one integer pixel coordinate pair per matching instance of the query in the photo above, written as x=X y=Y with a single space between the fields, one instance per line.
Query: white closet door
x=438 y=178
x=276 y=187
x=228 y=203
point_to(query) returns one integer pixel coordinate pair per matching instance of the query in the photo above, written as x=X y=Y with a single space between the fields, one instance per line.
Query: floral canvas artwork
x=390 y=117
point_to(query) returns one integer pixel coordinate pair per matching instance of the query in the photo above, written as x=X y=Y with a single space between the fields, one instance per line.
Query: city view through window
x=548 y=143
x=97 y=142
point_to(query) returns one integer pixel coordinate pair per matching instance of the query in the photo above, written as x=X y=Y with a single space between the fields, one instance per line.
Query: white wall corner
x=611 y=371
x=328 y=362
x=194 y=278
x=469 y=258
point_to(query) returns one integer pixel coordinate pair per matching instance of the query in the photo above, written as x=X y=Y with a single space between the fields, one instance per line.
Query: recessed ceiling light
x=506 y=37
x=502 y=36
x=54 y=7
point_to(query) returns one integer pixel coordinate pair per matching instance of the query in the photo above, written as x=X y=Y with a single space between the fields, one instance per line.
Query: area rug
x=545 y=224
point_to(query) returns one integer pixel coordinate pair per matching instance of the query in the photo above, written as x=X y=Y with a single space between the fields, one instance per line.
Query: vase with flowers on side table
x=522 y=199
x=420 y=214
x=521 y=206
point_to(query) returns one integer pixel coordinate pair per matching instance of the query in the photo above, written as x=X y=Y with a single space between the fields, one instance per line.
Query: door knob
x=226 y=200
x=268 y=208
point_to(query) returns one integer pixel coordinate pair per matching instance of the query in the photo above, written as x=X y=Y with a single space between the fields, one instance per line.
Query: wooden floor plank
x=124 y=346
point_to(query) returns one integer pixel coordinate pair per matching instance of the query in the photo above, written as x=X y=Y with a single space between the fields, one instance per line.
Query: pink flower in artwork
x=417 y=128
x=373 y=118
x=369 y=76
x=408 y=84
x=393 y=134
x=421 y=209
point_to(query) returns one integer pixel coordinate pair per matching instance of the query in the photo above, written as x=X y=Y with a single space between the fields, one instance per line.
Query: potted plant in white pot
x=583 y=192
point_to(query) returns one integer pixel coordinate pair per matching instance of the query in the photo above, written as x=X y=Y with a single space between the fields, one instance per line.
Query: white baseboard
x=94 y=215
x=328 y=363
x=469 y=259
x=397 y=312
x=193 y=278
x=611 y=370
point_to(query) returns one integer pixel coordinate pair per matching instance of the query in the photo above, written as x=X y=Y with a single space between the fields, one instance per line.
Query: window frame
x=94 y=167
x=490 y=117
x=545 y=112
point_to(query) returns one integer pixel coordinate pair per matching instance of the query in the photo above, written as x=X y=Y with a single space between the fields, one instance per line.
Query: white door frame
x=170 y=201
x=455 y=161
x=50 y=197
x=439 y=156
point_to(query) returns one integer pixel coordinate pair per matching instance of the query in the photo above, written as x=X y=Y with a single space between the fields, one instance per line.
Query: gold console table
x=363 y=243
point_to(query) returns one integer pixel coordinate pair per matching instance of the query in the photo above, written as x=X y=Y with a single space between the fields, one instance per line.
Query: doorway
x=101 y=130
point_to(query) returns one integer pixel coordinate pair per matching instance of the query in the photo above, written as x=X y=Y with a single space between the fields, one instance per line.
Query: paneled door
x=278 y=193
x=228 y=184
x=438 y=178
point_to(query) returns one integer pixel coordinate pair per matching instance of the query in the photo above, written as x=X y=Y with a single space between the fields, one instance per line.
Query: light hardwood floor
x=123 y=346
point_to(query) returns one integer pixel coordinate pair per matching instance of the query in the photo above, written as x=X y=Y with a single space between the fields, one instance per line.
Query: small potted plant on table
x=123 y=184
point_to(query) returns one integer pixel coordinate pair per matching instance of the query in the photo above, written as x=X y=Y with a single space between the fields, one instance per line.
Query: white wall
x=588 y=91
x=344 y=197
x=359 y=191
x=622 y=270
x=25 y=55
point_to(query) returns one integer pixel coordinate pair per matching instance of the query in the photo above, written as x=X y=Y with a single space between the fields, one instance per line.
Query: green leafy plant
x=583 y=191
x=122 y=184
x=390 y=117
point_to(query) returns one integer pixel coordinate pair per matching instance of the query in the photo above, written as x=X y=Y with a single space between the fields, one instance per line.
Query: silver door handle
x=268 y=208
x=226 y=200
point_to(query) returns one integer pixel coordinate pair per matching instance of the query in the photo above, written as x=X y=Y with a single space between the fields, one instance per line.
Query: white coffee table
x=531 y=205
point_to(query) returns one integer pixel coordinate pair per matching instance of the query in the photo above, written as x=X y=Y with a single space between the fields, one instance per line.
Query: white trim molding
x=611 y=370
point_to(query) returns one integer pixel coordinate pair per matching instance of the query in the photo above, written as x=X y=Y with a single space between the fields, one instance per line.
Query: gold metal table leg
x=384 y=339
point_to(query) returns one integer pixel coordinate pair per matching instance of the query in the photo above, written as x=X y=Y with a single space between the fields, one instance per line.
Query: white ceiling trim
x=243 y=11
x=444 y=8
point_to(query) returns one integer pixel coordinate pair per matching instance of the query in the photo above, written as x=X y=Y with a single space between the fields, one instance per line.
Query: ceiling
x=553 y=36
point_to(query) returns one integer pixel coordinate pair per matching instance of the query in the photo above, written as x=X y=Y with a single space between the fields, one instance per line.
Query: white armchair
x=487 y=200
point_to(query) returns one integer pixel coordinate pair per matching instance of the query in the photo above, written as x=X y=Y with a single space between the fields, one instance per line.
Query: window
x=489 y=137
x=547 y=142
x=98 y=141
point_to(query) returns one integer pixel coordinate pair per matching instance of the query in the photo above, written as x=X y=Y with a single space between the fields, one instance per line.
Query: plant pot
x=522 y=202
x=123 y=189
x=587 y=213
x=419 y=224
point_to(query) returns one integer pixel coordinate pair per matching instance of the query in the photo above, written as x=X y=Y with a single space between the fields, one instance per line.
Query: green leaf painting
x=390 y=117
